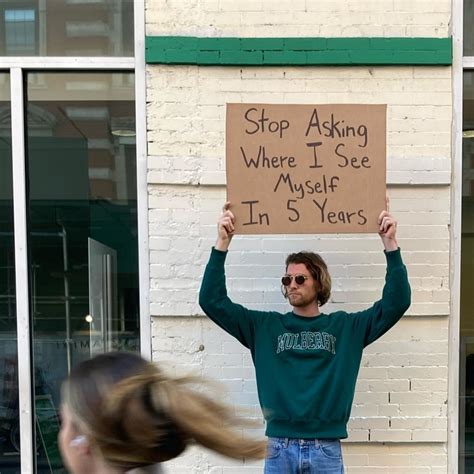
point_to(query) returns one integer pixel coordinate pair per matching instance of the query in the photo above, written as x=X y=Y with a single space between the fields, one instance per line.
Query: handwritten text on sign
x=306 y=168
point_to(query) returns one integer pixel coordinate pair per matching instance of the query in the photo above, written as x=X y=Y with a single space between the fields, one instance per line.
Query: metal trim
x=468 y=62
x=142 y=185
x=61 y=63
x=455 y=251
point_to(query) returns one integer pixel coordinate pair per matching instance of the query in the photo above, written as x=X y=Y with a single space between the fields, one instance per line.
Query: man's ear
x=317 y=288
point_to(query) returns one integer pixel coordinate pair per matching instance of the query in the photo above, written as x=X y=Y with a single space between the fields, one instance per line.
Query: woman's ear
x=78 y=441
x=81 y=443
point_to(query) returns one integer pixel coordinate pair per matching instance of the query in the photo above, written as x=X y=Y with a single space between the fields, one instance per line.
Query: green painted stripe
x=298 y=51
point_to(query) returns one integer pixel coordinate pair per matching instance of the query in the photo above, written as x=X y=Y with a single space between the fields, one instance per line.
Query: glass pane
x=9 y=415
x=82 y=230
x=66 y=28
x=468 y=29
x=466 y=422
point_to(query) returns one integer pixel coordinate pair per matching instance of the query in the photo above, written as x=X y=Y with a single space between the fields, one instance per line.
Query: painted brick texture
x=400 y=413
x=186 y=136
x=400 y=396
x=183 y=222
x=402 y=392
x=190 y=120
x=400 y=458
x=331 y=18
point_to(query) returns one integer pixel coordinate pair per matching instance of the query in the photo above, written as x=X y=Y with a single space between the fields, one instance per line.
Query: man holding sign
x=306 y=361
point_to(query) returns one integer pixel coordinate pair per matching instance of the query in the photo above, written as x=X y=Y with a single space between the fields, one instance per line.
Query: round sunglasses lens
x=300 y=279
x=286 y=280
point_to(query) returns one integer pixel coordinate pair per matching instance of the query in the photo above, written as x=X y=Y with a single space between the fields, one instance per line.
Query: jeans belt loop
x=316 y=443
x=285 y=442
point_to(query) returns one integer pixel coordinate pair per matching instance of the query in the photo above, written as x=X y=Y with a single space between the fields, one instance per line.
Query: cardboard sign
x=294 y=169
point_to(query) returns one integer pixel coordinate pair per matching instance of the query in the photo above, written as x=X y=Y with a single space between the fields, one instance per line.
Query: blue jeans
x=304 y=456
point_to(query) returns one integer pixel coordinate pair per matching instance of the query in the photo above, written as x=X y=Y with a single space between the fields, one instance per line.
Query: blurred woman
x=121 y=412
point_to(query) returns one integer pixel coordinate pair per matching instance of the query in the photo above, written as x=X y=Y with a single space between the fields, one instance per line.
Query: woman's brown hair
x=318 y=269
x=134 y=415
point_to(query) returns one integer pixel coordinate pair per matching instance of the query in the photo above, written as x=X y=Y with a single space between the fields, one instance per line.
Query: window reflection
x=82 y=229
x=20 y=32
x=66 y=28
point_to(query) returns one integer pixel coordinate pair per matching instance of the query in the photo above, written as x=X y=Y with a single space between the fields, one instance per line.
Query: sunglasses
x=299 y=279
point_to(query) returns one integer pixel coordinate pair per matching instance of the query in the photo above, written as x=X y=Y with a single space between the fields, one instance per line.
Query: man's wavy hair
x=318 y=269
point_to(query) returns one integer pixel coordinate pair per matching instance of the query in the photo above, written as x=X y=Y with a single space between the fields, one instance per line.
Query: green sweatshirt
x=306 y=368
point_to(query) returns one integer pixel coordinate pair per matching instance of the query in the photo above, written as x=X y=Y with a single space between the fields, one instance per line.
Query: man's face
x=303 y=295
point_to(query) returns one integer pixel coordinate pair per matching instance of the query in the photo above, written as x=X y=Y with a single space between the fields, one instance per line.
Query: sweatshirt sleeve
x=396 y=299
x=235 y=319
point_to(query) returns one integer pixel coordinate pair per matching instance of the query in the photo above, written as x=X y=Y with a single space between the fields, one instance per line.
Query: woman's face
x=73 y=446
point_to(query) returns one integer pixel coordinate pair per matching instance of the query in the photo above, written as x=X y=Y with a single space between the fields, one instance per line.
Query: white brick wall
x=186 y=137
x=400 y=394
x=395 y=458
x=187 y=147
x=363 y=458
x=396 y=377
x=299 y=17
x=184 y=226
x=183 y=213
x=399 y=418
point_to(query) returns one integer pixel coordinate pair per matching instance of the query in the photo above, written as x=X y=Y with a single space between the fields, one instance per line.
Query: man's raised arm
x=233 y=318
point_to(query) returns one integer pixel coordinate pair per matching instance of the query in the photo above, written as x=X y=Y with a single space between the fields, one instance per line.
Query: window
x=466 y=375
x=77 y=256
x=468 y=29
x=82 y=231
x=20 y=32
x=66 y=28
